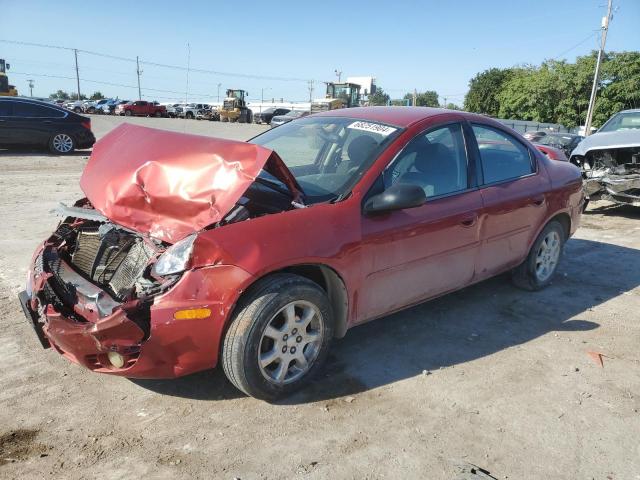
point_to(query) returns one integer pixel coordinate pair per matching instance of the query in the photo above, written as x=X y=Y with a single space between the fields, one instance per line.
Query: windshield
x=622 y=121
x=327 y=155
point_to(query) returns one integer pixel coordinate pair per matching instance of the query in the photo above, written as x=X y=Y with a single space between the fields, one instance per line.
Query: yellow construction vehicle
x=234 y=108
x=339 y=95
x=6 y=90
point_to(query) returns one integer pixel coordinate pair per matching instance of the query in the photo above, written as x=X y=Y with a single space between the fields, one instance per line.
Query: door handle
x=469 y=221
x=538 y=201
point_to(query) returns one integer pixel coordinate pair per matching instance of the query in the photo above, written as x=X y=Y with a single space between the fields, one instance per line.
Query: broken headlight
x=175 y=259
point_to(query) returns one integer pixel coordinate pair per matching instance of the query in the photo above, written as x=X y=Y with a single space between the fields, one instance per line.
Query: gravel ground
x=490 y=376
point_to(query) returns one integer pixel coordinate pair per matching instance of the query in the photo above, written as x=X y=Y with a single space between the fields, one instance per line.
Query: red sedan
x=189 y=251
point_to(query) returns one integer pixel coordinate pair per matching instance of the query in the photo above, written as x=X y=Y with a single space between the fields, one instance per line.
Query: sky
x=272 y=48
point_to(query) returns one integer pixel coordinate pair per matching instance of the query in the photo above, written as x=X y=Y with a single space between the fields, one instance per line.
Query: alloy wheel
x=291 y=342
x=62 y=143
x=548 y=255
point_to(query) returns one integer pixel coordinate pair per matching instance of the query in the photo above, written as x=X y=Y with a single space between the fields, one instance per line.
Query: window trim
x=12 y=103
x=533 y=159
x=471 y=179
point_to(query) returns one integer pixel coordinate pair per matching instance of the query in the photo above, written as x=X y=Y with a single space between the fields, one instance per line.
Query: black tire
x=189 y=115
x=127 y=113
x=77 y=110
x=91 y=110
x=158 y=114
x=244 y=340
x=61 y=143
x=526 y=275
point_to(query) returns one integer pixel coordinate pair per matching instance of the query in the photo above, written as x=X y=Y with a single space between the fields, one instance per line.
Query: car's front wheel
x=279 y=336
x=538 y=270
x=127 y=113
x=61 y=144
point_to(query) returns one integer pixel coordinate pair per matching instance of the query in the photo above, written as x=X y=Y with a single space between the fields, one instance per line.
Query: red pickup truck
x=141 y=108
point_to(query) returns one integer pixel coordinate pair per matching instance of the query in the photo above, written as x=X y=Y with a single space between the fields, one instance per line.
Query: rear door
x=513 y=194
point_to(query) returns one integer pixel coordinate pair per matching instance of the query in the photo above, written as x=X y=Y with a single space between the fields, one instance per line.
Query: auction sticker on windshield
x=383 y=130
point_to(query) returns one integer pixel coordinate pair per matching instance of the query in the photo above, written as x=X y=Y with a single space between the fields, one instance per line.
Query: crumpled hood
x=169 y=184
x=603 y=140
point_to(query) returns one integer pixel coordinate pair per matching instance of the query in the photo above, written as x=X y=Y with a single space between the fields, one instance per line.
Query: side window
x=5 y=109
x=436 y=161
x=502 y=156
x=29 y=110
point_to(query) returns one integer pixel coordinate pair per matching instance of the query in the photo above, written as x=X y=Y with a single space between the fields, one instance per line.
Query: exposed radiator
x=112 y=259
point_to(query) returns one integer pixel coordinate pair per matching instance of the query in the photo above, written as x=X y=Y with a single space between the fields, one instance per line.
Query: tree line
x=556 y=91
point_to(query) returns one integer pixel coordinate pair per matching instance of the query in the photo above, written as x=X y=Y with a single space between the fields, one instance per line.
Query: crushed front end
x=612 y=174
x=92 y=295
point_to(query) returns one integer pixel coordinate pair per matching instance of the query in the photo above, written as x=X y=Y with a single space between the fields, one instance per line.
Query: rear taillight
x=87 y=124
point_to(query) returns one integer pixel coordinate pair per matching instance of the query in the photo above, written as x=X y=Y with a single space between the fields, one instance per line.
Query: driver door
x=419 y=253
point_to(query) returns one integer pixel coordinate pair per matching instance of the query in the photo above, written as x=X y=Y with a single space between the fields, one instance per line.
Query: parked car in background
x=610 y=159
x=534 y=136
x=268 y=113
x=109 y=106
x=282 y=119
x=171 y=109
x=190 y=110
x=552 y=153
x=31 y=123
x=141 y=108
x=95 y=106
x=566 y=142
x=74 y=106
x=314 y=227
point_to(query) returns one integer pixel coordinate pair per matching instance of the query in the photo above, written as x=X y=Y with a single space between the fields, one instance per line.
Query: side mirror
x=396 y=197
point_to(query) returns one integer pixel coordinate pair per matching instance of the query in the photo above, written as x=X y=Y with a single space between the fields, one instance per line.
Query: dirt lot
x=491 y=375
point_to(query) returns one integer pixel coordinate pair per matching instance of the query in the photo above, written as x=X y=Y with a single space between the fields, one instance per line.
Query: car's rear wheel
x=279 y=337
x=189 y=115
x=538 y=270
x=158 y=114
x=77 y=109
x=61 y=143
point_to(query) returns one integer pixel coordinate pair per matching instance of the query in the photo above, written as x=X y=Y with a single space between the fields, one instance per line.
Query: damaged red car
x=191 y=251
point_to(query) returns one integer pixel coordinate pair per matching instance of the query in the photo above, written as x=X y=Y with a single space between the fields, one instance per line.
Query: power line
x=161 y=65
x=584 y=40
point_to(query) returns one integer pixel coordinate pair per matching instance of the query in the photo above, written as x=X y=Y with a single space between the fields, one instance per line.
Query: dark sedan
x=566 y=142
x=32 y=123
x=267 y=114
x=282 y=119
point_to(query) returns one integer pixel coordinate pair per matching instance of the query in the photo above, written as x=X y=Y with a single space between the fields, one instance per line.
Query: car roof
x=398 y=116
x=34 y=102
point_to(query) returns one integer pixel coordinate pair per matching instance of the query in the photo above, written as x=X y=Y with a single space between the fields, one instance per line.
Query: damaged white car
x=610 y=160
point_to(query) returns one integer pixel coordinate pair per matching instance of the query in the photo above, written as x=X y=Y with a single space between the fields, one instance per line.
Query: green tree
x=379 y=98
x=96 y=96
x=59 y=95
x=424 y=99
x=452 y=106
x=484 y=88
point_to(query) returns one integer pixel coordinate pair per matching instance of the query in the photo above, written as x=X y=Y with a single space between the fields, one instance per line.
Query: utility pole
x=219 y=85
x=415 y=97
x=338 y=74
x=594 y=89
x=75 y=51
x=30 y=86
x=445 y=102
x=310 y=90
x=138 y=72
